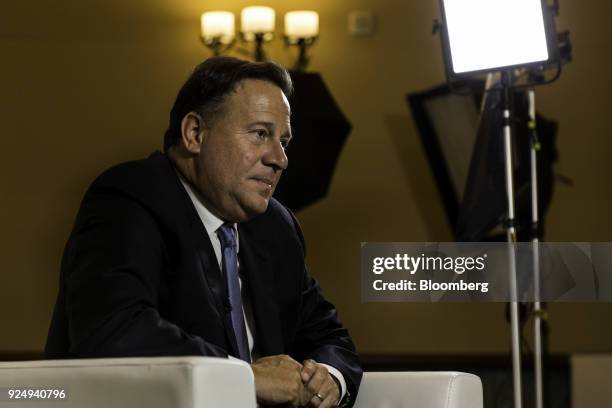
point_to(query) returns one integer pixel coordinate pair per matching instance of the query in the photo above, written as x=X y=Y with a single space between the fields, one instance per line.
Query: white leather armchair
x=203 y=382
x=419 y=390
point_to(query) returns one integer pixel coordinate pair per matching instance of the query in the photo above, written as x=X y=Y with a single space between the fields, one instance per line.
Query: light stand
x=539 y=314
x=508 y=44
x=511 y=239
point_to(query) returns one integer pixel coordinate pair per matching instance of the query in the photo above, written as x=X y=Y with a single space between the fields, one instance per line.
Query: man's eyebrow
x=270 y=126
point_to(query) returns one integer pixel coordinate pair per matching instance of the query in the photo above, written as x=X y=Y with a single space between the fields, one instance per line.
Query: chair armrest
x=420 y=390
x=151 y=382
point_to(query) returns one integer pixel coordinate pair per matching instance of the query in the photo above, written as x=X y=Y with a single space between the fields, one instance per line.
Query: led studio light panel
x=489 y=35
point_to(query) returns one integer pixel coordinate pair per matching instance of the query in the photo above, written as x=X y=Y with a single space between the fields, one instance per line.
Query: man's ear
x=192 y=132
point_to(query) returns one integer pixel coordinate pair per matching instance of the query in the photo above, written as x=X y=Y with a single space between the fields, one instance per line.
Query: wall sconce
x=218 y=30
x=257 y=25
x=301 y=30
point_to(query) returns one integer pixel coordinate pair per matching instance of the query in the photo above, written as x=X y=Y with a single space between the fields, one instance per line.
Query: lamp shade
x=218 y=24
x=302 y=24
x=257 y=19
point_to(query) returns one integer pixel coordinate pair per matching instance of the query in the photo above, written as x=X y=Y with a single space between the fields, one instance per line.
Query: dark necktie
x=230 y=269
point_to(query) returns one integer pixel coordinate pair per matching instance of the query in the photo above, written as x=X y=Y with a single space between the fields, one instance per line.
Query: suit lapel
x=256 y=269
x=197 y=235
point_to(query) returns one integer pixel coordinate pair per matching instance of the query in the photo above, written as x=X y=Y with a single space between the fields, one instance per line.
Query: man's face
x=242 y=153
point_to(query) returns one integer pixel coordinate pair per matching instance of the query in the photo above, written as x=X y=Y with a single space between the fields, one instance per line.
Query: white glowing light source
x=302 y=24
x=257 y=19
x=218 y=24
x=489 y=34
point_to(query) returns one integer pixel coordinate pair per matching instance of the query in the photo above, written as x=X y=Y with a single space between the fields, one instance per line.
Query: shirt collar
x=211 y=222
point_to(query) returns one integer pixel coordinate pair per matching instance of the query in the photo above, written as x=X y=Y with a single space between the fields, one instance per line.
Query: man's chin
x=255 y=208
x=261 y=206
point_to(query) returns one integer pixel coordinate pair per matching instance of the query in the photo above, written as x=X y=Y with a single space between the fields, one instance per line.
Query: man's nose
x=276 y=157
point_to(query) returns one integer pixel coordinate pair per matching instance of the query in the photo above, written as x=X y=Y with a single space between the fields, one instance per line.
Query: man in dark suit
x=187 y=253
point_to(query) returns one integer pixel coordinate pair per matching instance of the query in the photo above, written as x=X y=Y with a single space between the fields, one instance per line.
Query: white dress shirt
x=212 y=223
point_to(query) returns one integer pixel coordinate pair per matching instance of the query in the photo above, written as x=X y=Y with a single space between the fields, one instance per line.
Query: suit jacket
x=139 y=277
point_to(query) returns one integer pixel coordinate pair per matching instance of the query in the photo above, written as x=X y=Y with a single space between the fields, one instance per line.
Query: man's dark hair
x=206 y=88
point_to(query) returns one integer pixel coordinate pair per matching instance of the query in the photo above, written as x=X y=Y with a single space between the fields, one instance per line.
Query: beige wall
x=85 y=85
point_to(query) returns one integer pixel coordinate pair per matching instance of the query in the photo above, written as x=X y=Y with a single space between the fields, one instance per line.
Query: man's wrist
x=339 y=388
x=338 y=378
